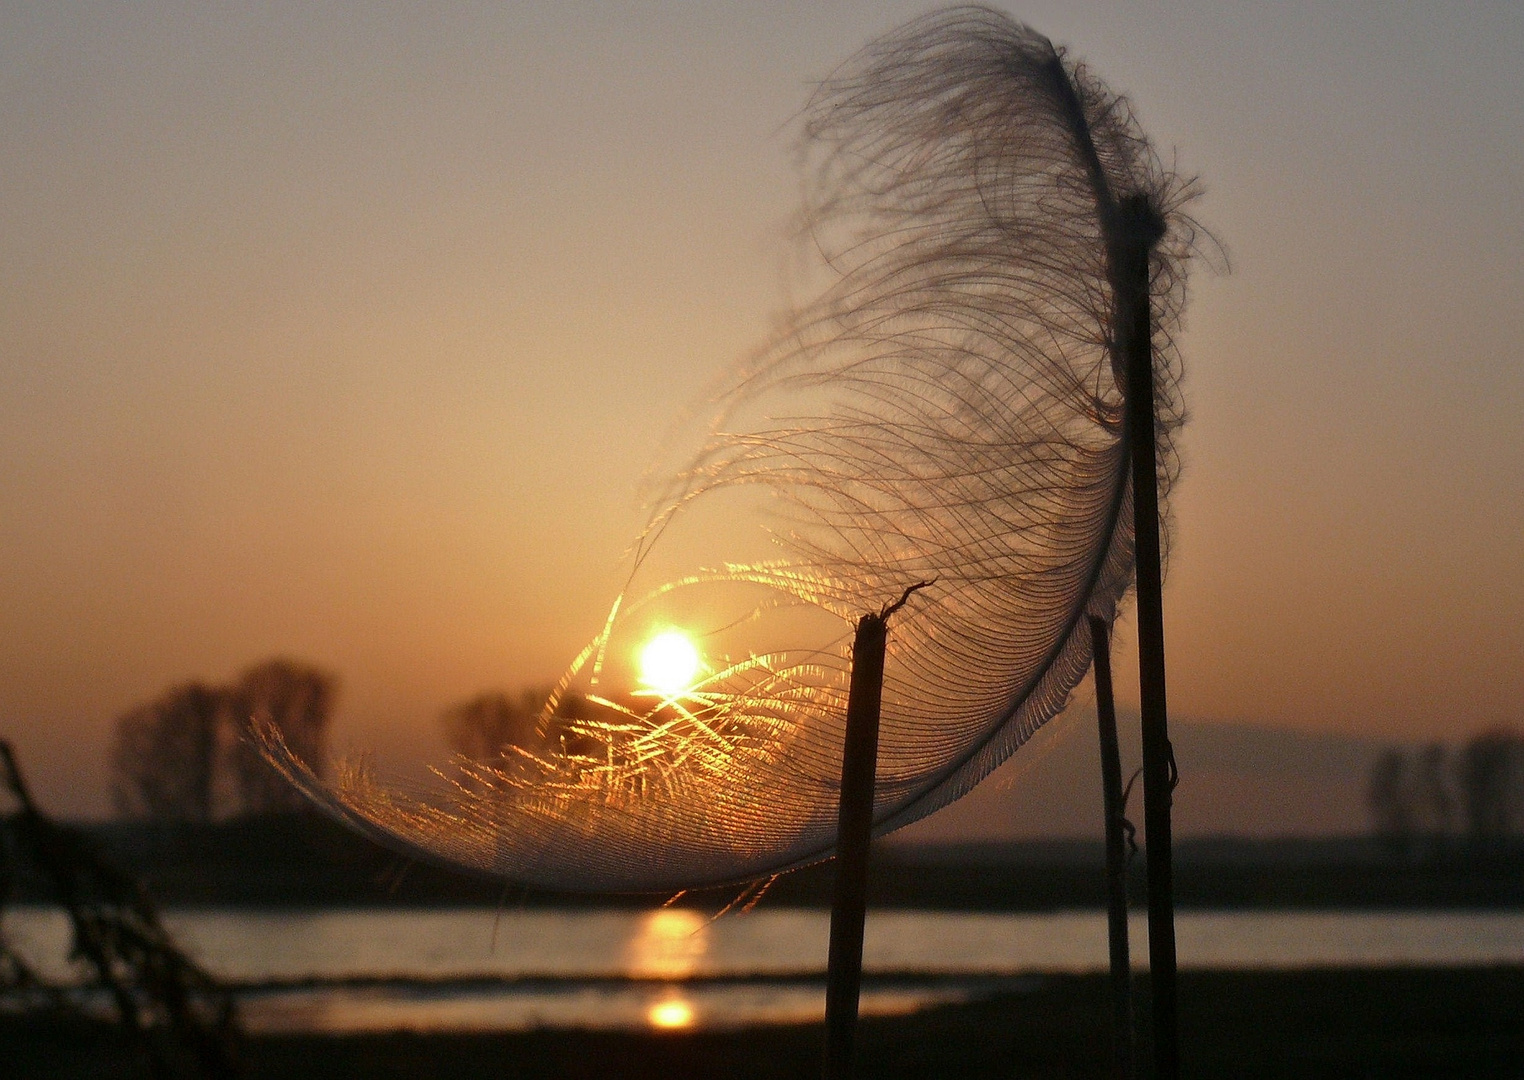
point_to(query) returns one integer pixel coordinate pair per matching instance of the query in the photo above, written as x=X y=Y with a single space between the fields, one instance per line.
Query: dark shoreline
x=1390 y=1023
x=309 y=861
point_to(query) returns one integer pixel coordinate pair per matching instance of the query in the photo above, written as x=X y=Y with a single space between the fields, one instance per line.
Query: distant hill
x=1235 y=780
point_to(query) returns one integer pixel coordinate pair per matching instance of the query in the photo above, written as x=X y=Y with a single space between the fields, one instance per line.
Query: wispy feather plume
x=949 y=409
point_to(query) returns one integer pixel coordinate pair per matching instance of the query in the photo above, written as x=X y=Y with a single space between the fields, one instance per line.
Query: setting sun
x=669 y=662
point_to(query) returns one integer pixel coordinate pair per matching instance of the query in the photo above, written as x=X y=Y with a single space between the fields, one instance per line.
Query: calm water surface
x=483 y=969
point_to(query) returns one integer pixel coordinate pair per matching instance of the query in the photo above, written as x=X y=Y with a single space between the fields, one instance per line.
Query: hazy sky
x=346 y=331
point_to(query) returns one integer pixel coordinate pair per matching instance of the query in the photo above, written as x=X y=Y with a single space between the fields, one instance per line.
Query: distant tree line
x=184 y=756
x=1436 y=794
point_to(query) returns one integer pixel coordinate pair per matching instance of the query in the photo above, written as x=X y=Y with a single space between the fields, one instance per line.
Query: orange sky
x=348 y=335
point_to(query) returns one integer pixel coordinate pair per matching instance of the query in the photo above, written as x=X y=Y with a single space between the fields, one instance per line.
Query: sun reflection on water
x=670 y=943
x=671 y=1013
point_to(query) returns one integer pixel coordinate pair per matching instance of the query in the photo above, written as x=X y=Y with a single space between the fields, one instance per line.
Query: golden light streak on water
x=669 y=944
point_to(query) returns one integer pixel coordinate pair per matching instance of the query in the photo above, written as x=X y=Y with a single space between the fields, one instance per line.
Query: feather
x=948 y=409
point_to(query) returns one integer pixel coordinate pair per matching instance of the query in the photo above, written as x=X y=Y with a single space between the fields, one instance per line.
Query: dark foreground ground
x=1389 y=1024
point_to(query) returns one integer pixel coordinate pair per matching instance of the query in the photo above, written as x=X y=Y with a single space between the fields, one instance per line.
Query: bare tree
x=184 y=755
x=1492 y=783
x=483 y=727
x=167 y=755
x=1390 y=797
x=298 y=699
x=1433 y=798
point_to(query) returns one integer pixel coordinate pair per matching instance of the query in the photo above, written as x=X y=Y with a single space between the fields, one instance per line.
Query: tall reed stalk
x=1116 y=852
x=1139 y=228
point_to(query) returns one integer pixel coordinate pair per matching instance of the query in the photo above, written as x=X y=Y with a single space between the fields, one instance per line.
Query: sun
x=669 y=662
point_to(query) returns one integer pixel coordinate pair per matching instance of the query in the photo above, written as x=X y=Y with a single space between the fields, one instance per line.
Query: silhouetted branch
x=175 y=1011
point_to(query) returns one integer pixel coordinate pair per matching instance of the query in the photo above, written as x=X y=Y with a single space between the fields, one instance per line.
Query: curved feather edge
x=529 y=842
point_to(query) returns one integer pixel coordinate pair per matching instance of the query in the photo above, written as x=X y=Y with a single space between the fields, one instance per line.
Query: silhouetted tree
x=298 y=699
x=481 y=727
x=1434 y=792
x=565 y=731
x=167 y=755
x=185 y=757
x=1492 y=783
x=1390 y=797
x=1433 y=798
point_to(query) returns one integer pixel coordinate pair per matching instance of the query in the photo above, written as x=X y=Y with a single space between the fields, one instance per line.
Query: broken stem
x=859 y=763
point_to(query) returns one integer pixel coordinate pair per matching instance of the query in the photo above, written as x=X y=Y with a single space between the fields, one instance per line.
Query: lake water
x=352 y=970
